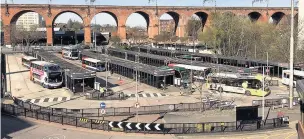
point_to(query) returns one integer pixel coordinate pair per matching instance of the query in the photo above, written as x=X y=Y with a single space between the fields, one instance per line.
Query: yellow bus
x=237 y=83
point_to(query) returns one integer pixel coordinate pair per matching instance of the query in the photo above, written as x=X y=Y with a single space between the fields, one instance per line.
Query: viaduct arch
x=181 y=15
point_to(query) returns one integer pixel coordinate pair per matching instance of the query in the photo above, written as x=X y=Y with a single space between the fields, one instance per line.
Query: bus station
x=147 y=74
x=276 y=69
x=75 y=78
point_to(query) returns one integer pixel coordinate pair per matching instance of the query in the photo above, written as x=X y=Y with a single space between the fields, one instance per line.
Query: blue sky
x=136 y=19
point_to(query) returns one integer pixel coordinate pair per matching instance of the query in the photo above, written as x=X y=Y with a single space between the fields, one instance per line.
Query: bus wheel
x=220 y=89
x=247 y=93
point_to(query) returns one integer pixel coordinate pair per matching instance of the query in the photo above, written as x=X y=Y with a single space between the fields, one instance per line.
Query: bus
x=93 y=64
x=236 y=83
x=49 y=75
x=297 y=75
x=197 y=71
x=70 y=53
x=26 y=61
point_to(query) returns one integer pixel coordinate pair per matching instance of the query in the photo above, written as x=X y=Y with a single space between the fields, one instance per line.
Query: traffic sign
x=103 y=111
x=102 y=105
x=171 y=107
x=136 y=105
x=267 y=70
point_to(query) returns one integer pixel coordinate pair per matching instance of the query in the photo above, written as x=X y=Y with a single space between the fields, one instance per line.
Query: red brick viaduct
x=11 y=12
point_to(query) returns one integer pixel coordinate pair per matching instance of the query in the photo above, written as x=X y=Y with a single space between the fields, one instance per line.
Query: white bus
x=70 y=53
x=26 y=61
x=297 y=75
x=236 y=83
x=93 y=64
x=198 y=71
x=49 y=75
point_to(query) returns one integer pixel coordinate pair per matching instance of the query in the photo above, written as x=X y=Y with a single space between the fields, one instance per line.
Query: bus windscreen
x=55 y=77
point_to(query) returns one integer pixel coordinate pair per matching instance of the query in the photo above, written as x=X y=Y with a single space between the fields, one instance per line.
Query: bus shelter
x=150 y=75
x=75 y=78
x=300 y=88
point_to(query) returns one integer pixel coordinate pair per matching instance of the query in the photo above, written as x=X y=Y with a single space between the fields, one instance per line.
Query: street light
x=291 y=56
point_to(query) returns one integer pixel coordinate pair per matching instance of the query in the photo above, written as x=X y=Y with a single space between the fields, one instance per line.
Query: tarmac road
x=26 y=128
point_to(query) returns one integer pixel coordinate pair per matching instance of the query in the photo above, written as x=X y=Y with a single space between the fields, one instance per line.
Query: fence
x=150 y=128
x=127 y=111
x=281 y=102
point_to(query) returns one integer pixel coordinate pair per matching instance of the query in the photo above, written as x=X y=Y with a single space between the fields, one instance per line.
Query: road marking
x=290 y=135
x=279 y=134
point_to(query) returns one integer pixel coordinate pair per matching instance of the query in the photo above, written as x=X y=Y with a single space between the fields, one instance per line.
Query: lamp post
x=263 y=87
x=291 y=56
x=136 y=88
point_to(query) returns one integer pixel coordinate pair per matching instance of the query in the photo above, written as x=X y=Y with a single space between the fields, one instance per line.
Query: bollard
x=91 y=125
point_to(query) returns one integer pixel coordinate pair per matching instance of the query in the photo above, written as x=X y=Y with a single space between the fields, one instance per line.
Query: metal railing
x=126 y=111
x=166 y=128
x=281 y=102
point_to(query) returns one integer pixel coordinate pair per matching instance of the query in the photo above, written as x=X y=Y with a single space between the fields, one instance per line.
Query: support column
x=264 y=18
x=87 y=34
x=180 y=31
x=122 y=32
x=153 y=29
x=49 y=35
x=7 y=34
x=121 y=27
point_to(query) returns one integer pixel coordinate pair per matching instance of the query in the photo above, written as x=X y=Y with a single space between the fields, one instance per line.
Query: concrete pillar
x=7 y=34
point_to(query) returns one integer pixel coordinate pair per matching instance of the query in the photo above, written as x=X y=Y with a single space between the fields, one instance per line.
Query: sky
x=136 y=19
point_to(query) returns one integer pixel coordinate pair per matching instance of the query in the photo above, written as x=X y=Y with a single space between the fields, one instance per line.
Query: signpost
x=103 y=111
x=102 y=105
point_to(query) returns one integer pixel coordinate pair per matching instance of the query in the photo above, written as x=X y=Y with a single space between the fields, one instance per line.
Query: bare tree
x=20 y=35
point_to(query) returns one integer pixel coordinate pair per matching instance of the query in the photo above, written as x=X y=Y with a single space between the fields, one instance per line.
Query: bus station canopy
x=156 y=71
x=216 y=56
x=73 y=71
x=168 y=60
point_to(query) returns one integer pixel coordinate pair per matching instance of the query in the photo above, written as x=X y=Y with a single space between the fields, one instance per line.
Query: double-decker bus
x=198 y=71
x=93 y=64
x=70 y=53
x=49 y=75
x=27 y=60
x=297 y=75
x=236 y=83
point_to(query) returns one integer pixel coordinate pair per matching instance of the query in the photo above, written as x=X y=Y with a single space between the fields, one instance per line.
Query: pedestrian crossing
x=45 y=100
x=148 y=95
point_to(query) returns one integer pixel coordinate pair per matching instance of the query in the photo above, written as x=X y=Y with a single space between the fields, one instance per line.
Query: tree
x=23 y=35
x=73 y=25
x=193 y=27
x=115 y=39
x=137 y=34
x=233 y=35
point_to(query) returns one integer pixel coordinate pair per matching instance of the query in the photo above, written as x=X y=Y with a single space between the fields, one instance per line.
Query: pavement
x=25 y=128
x=19 y=84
